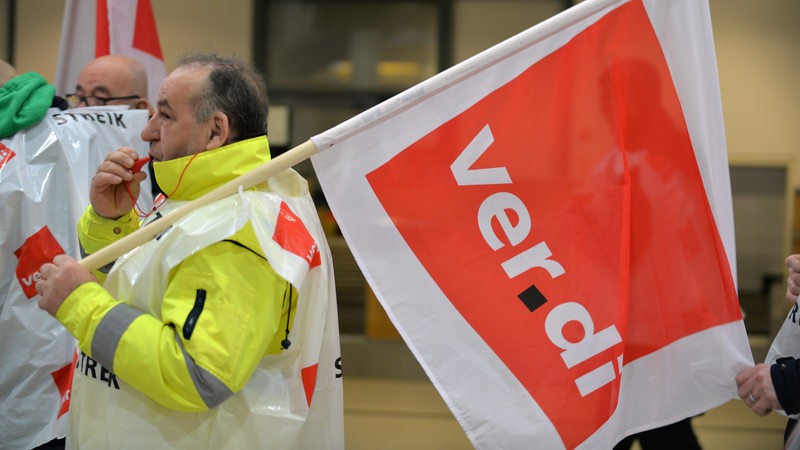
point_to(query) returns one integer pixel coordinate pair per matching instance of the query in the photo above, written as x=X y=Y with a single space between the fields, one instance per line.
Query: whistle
x=137 y=166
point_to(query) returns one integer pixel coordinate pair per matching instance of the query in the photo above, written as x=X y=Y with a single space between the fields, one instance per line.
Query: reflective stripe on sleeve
x=105 y=269
x=109 y=332
x=211 y=389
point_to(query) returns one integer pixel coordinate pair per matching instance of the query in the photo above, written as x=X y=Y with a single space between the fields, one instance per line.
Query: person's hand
x=57 y=280
x=793 y=278
x=114 y=188
x=756 y=389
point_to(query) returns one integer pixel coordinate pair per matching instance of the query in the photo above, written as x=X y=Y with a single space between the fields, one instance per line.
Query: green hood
x=24 y=100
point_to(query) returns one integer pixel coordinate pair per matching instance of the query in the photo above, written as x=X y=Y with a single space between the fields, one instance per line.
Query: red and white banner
x=93 y=28
x=45 y=173
x=549 y=226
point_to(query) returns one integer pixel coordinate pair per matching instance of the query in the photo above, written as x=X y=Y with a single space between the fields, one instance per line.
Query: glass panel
x=759 y=216
x=473 y=33
x=351 y=45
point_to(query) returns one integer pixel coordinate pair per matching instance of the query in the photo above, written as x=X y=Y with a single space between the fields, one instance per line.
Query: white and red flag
x=93 y=28
x=549 y=226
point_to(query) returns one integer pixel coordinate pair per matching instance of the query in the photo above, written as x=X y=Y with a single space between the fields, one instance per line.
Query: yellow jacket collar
x=189 y=177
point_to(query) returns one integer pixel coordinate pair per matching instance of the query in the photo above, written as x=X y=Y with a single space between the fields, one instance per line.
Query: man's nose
x=150 y=132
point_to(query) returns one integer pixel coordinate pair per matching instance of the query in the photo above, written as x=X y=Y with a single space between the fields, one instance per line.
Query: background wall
x=758 y=54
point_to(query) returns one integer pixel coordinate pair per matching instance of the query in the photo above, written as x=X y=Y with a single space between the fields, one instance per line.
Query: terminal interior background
x=327 y=60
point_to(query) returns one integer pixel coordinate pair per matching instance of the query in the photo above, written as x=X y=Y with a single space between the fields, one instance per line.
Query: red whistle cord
x=136 y=168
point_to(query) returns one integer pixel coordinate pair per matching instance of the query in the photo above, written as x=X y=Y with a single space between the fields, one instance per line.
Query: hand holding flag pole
x=151 y=230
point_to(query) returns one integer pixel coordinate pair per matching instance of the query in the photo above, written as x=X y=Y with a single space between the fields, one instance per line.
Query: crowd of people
x=219 y=317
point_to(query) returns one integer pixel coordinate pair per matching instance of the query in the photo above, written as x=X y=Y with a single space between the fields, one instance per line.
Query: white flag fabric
x=45 y=173
x=549 y=226
x=93 y=28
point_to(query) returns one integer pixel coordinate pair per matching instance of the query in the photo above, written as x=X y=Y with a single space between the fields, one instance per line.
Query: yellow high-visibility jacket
x=223 y=308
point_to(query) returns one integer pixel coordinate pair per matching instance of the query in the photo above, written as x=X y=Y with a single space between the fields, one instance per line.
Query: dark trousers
x=52 y=445
x=679 y=435
x=790 y=438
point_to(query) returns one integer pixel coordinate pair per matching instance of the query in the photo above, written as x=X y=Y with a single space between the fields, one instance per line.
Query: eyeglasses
x=74 y=100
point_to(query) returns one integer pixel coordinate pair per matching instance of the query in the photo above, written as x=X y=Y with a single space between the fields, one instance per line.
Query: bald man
x=112 y=80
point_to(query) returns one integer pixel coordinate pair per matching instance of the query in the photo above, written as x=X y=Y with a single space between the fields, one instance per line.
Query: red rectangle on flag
x=39 y=248
x=565 y=218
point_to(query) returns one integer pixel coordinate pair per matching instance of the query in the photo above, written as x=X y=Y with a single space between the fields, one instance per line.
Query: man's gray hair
x=234 y=88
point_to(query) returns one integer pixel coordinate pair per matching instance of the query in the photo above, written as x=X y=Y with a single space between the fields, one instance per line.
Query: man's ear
x=219 y=130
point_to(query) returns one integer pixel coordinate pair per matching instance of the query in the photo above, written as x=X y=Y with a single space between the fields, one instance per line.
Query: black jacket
x=785 y=374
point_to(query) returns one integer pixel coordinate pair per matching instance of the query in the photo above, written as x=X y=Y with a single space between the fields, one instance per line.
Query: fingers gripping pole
x=151 y=230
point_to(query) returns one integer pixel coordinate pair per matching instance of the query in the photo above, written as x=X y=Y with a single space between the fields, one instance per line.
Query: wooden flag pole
x=151 y=230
